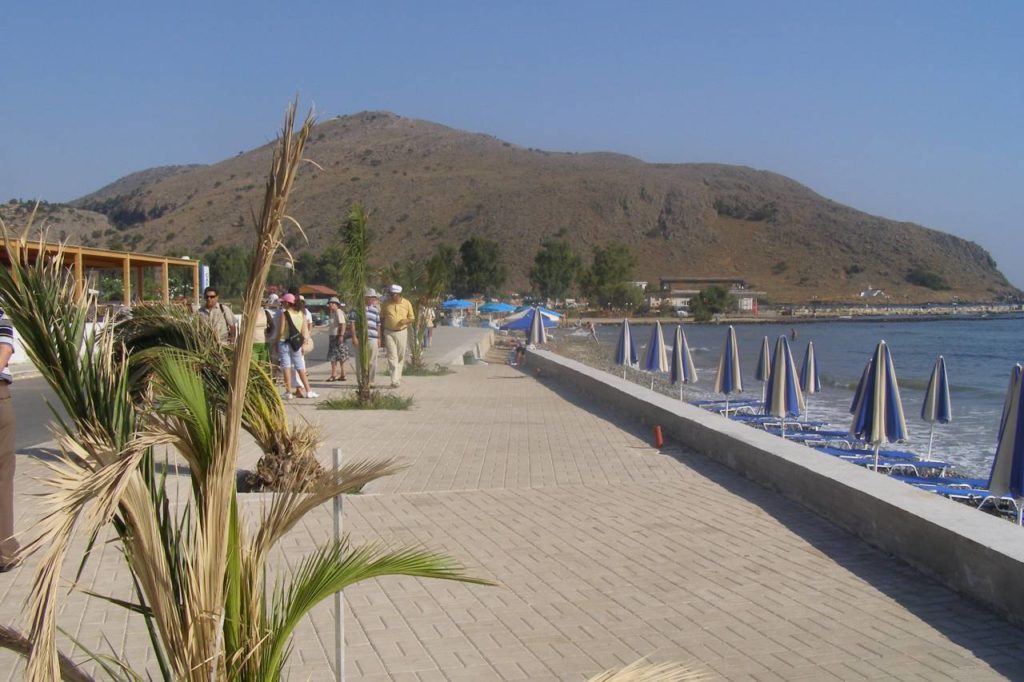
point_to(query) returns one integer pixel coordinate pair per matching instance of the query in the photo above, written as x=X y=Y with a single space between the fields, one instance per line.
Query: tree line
x=476 y=268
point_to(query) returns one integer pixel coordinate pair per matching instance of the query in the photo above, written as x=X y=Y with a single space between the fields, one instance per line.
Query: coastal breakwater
x=973 y=553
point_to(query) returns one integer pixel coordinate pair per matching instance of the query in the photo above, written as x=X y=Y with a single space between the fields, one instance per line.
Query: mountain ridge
x=424 y=183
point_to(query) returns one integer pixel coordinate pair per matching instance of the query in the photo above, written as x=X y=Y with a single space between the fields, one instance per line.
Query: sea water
x=979 y=353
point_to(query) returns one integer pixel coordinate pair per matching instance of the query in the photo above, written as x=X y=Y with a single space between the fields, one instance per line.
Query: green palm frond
x=333 y=568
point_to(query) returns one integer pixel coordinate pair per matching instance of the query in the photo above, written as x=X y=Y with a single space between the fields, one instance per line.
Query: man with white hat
x=396 y=316
x=370 y=298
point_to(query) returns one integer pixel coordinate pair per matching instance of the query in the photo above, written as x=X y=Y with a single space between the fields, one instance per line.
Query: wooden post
x=126 y=280
x=166 y=281
x=195 y=283
x=140 y=283
x=79 y=275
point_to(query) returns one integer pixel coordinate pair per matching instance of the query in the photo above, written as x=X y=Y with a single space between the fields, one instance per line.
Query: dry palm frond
x=642 y=671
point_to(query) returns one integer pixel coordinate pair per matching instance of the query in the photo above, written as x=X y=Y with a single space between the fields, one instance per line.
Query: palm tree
x=354 y=280
x=200 y=575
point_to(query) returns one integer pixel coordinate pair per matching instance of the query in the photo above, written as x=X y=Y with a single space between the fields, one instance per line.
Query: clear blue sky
x=910 y=110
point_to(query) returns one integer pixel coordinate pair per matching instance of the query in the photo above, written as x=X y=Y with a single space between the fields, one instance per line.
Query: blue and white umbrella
x=810 y=382
x=538 y=336
x=728 y=379
x=456 y=304
x=784 y=397
x=656 y=359
x=878 y=412
x=1007 y=475
x=496 y=307
x=937 y=406
x=625 y=351
x=523 y=320
x=764 y=369
x=681 y=364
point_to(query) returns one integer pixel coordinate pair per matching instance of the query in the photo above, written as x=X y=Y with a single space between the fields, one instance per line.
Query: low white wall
x=973 y=553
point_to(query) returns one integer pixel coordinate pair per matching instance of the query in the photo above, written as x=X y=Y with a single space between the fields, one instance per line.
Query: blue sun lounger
x=768 y=421
x=860 y=452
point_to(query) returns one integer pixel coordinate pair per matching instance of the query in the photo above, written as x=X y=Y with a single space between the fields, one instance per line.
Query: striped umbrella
x=784 y=397
x=860 y=387
x=657 y=356
x=810 y=382
x=878 y=413
x=538 y=335
x=625 y=352
x=764 y=369
x=1007 y=476
x=937 y=406
x=728 y=379
x=681 y=365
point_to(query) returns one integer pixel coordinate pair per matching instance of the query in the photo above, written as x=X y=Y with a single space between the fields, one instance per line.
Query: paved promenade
x=606 y=551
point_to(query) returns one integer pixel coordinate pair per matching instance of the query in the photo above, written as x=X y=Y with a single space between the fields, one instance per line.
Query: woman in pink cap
x=292 y=330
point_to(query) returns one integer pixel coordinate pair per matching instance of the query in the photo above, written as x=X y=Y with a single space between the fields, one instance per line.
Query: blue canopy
x=496 y=307
x=456 y=304
x=546 y=311
x=524 y=320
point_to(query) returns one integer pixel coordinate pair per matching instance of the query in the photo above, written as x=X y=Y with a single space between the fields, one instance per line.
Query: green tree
x=481 y=270
x=355 y=277
x=229 y=269
x=612 y=267
x=555 y=269
x=710 y=302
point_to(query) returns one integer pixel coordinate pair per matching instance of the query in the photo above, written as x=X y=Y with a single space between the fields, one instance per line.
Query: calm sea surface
x=979 y=356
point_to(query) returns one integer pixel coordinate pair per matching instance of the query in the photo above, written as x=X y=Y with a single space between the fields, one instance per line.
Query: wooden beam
x=79 y=275
x=195 y=283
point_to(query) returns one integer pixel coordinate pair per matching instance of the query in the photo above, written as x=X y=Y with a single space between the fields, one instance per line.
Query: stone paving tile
x=605 y=551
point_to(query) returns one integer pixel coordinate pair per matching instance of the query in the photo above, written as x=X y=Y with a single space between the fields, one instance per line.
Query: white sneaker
x=312 y=394
x=288 y=396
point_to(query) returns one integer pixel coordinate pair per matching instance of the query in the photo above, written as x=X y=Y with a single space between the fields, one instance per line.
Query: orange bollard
x=659 y=440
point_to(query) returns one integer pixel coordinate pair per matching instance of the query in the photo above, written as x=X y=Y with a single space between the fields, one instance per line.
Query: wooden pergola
x=80 y=258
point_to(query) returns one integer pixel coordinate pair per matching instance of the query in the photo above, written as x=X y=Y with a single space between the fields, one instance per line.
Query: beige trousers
x=396 y=344
x=8 y=545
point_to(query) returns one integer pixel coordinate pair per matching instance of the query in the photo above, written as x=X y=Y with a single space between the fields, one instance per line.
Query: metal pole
x=339 y=598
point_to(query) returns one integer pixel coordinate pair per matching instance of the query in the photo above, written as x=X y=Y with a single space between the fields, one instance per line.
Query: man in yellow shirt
x=396 y=316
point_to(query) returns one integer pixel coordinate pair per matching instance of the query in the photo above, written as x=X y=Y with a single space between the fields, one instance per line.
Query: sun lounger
x=767 y=421
x=860 y=452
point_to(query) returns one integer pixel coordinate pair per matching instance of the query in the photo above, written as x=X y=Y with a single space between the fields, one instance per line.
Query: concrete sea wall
x=973 y=553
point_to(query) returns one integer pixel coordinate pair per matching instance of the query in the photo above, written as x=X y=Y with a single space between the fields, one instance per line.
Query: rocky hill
x=425 y=184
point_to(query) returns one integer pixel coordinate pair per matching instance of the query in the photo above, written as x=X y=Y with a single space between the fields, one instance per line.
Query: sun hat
x=371 y=293
x=272 y=299
x=334 y=299
x=395 y=289
x=288 y=298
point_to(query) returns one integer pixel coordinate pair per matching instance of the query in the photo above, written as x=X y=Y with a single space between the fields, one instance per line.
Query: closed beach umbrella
x=937 y=406
x=878 y=414
x=1007 y=476
x=657 y=356
x=860 y=387
x=625 y=352
x=784 y=397
x=681 y=364
x=764 y=368
x=538 y=336
x=810 y=382
x=728 y=380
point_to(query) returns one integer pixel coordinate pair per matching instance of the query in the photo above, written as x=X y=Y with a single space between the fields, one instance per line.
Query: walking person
x=427 y=315
x=9 y=546
x=291 y=330
x=397 y=316
x=219 y=316
x=337 y=351
x=370 y=300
